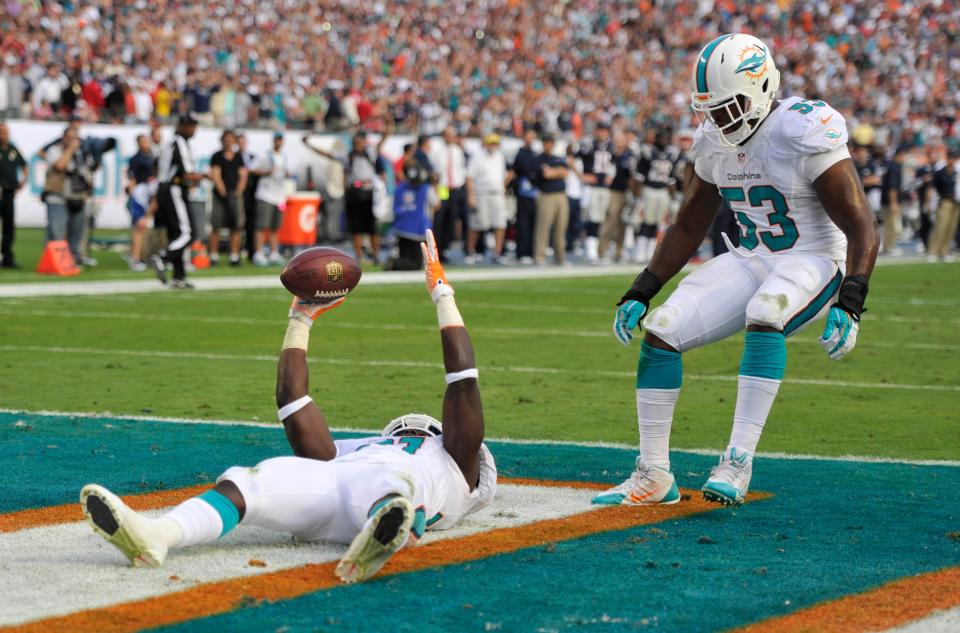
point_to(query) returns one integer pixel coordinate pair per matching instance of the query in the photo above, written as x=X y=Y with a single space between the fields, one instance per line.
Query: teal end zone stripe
x=228 y=512
x=764 y=355
x=702 y=63
x=813 y=308
x=659 y=368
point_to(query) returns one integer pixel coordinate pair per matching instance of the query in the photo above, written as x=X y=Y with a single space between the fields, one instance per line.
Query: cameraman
x=65 y=191
x=413 y=200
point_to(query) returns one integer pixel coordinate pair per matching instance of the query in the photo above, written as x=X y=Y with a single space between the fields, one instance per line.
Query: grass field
x=550 y=367
x=822 y=545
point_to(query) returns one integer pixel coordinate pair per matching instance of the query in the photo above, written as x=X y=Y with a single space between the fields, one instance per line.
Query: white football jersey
x=768 y=181
x=440 y=486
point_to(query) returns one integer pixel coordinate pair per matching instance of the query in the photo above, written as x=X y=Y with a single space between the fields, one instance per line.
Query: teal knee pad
x=658 y=368
x=228 y=512
x=764 y=355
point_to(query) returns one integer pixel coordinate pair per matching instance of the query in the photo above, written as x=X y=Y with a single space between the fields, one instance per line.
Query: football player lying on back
x=375 y=494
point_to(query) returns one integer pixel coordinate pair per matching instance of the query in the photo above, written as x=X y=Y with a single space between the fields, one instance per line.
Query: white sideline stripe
x=70 y=288
x=711 y=452
x=402 y=327
x=422 y=364
x=64 y=288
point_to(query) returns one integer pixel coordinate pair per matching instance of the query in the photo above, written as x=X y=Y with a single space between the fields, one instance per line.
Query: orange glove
x=308 y=311
x=437 y=284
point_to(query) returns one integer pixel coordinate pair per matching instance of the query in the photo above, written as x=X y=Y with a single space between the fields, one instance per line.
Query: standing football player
x=655 y=184
x=371 y=493
x=808 y=244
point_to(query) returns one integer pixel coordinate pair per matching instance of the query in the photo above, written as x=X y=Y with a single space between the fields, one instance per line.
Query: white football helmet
x=418 y=422
x=735 y=81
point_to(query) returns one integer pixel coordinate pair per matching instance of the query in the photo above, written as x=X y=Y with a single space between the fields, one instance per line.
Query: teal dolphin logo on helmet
x=754 y=62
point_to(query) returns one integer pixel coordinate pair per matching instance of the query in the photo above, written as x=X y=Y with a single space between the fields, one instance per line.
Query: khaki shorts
x=227 y=214
x=268 y=216
x=490 y=213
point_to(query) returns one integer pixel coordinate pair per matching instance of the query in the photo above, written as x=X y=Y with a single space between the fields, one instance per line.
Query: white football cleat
x=137 y=536
x=647 y=485
x=385 y=532
x=730 y=478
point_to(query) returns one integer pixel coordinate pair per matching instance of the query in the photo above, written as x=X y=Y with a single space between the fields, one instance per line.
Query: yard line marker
x=711 y=452
x=404 y=327
x=428 y=365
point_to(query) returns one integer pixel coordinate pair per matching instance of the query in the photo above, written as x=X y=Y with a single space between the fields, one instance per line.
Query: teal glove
x=629 y=315
x=840 y=333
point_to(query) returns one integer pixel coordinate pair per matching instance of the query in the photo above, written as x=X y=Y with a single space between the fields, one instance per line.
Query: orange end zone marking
x=227 y=595
x=70 y=512
x=885 y=607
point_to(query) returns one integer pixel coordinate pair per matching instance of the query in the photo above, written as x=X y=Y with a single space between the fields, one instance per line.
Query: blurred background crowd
x=890 y=67
x=596 y=75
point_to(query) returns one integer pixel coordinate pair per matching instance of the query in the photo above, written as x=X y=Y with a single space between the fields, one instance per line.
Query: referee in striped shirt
x=177 y=172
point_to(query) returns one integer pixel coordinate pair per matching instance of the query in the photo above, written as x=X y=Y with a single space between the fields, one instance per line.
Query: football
x=321 y=274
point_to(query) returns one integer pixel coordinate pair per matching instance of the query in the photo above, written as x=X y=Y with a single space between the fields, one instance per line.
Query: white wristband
x=289 y=409
x=462 y=375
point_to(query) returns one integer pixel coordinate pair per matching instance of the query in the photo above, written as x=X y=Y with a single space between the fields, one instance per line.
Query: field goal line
x=711 y=452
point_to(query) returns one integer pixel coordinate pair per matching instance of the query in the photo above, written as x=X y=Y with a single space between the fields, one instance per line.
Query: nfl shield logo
x=334 y=272
x=741 y=158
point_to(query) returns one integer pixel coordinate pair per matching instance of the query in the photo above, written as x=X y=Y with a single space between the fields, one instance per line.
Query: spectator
x=409 y=153
x=273 y=169
x=229 y=176
x=890 y=200
x=422 y=156
x=552 y=210
x=13 y=175
x=141 y=172
x=525 y=169
x=487 y=178
x=49 y=90
x=361 y=173
x=249 y=196
x=177 y=173
x=945 y=227
x=450 y=162
x=614 y=228
x=65 y=191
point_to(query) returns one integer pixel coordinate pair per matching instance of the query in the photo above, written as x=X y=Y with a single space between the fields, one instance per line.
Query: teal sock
x=659 y=376
x=658 y=368
x=764 y=355
x=761 y=371
x=228 y=512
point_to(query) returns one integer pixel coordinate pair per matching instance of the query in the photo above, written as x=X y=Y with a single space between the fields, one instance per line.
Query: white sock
x=654 y=417
x=755 y=397
x=198 y=521
x=590 y=245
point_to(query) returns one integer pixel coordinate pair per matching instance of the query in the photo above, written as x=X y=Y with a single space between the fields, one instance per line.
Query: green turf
x=550 y=368
x=110 y=263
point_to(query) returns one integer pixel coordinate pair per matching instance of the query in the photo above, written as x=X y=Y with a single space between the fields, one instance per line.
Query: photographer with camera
x=66 y=189
x=414 y=201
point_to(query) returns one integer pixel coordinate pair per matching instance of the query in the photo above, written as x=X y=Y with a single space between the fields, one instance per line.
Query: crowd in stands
x=594 y=74
x=484 y=65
